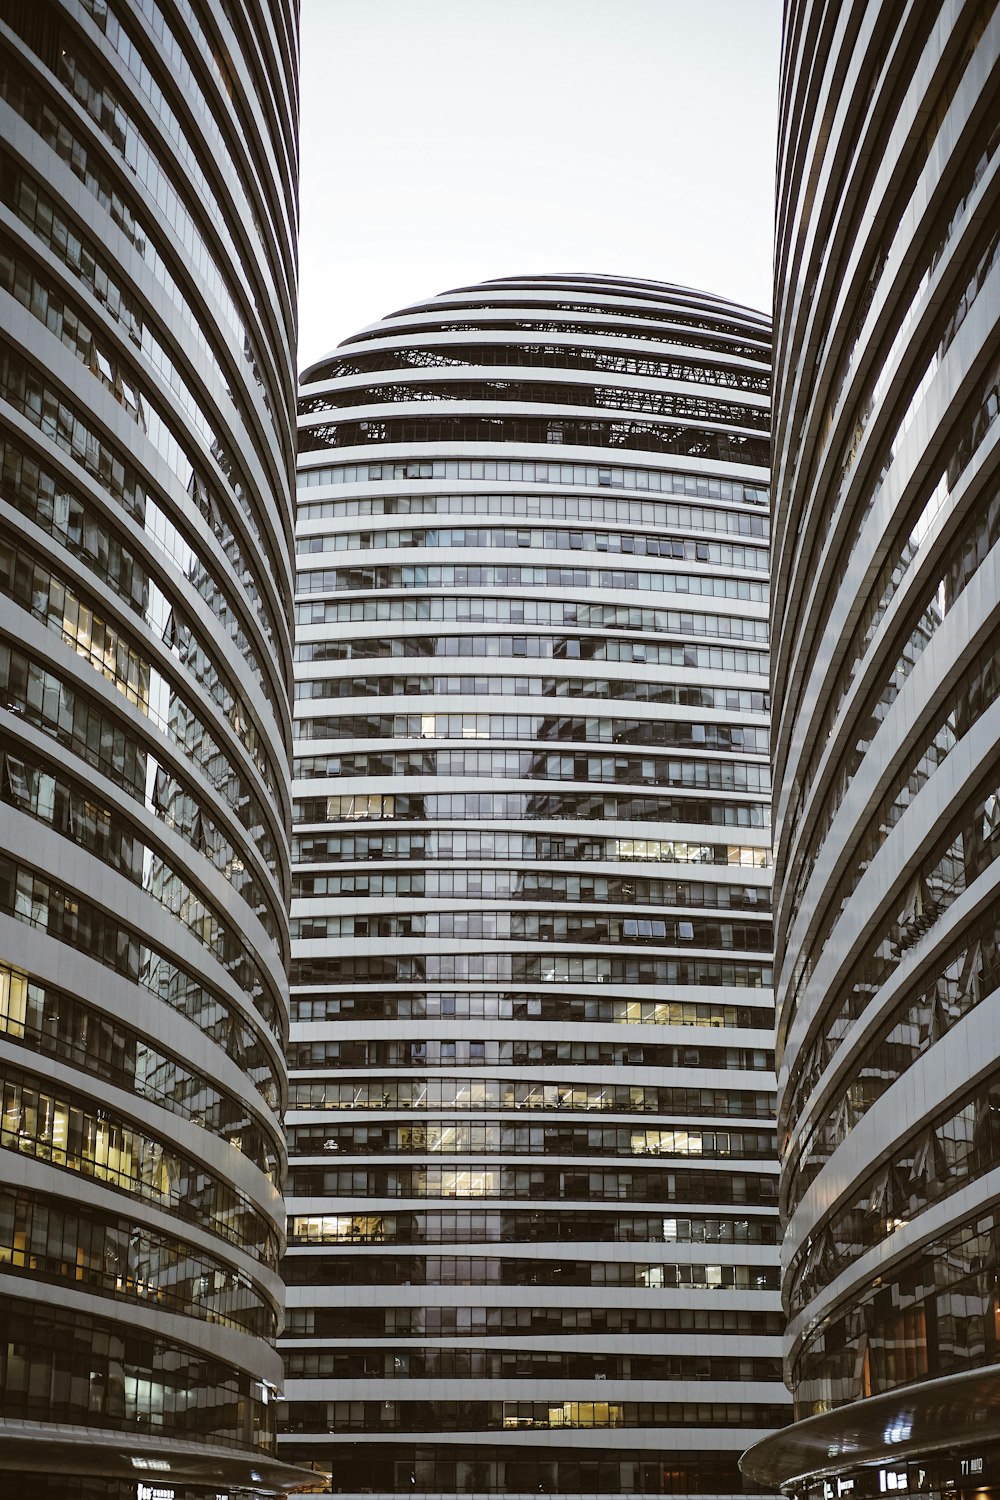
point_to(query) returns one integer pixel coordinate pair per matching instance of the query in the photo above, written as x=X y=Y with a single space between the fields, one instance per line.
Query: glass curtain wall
x=147 y=335
x=533 y=1215
x=886 y=619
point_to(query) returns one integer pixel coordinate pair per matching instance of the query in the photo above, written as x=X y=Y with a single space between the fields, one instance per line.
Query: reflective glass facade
x=886 y=620
x=148 y=218
x=532 y=1195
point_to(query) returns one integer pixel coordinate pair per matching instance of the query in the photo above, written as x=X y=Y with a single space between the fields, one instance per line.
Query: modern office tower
x=886 y=618
x=533 y=1183
x=147 y=330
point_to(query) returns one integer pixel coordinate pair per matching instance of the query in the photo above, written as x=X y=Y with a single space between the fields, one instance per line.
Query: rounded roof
x=652 y=307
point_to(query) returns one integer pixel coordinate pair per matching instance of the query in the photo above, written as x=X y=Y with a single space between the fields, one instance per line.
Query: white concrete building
x=533 y=1176
x=147 y=333
x=886 y=620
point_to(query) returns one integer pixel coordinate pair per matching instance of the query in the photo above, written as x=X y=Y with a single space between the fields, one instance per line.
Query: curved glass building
x=147 y=328
x=533 y=1183
x=886 y=619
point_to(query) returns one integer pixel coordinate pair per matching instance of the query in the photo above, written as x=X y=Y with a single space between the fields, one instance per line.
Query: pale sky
x=445 y=142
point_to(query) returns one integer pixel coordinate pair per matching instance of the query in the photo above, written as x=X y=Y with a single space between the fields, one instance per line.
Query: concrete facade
x=885 y=616
x=532 y=1233
x=147 y=329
